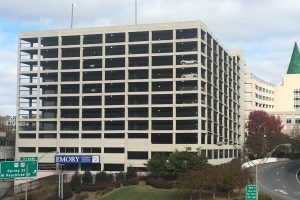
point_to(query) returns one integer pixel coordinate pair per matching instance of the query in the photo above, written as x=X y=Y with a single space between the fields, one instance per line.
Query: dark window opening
x=47 y=135
x=69 y=101
x=186 y=138
x=46 y=149
x=114 y=37
x=114 y=125
x=137 y=135
x=114 y=87
x=92 y=76
x=115 y=50
x=139 y=49
x=162 y=112
x=186 y=33
x=69 y=113
x=49 y=53
x=137 y=99
x=162 y=73
x=70 y=64
x=186 y=124
x=187 y=111
x=137 y=155
x=27 y=149
x=91 y=100
x=138 y=125
x=49 y=41
x=162 y=48
x=90 y=135
x=91 y=167
x=114 y=135
x=162 y=99
x=138 y=74
x=92 y=63
x=69 y=125
x=138 y=36
x=71 y=40
x=92 y=39
x=69 y=89
x=162 y=125
x=91 y=125
x=91 y=113
x=138 y=62
x=114 y=62
x=68 y=150
x=114 y=100
x=113 y=167
x=114 y=112
x=138 y=87
x=91 y=88
x=162 y=35
x=70 y=76
x=162 y=60
x=161 y=138
x=113 y=150
x=138 y=112
x=115 y=75
x=90 y=149
x=92 y=51
x=187 y=59
x=70 y=52
x=162 y=86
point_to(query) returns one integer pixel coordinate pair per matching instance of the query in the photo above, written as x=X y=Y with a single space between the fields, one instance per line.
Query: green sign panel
x=12 y=169
x=28 y=158
x=251 y=192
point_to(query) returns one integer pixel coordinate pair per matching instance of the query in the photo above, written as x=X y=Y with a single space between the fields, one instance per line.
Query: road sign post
x=251 y=192
x=12 y=169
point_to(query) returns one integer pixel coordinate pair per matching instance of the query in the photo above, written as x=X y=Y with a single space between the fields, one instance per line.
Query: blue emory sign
x=76 y=159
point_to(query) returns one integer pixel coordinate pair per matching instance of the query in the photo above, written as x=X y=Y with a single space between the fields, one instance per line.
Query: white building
x=125 y=93
x=259 y=94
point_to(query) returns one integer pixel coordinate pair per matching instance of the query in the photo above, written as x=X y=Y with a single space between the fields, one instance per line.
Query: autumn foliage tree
x=264 y=132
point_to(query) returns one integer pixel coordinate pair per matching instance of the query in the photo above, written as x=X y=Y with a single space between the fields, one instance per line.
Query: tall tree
x=264 y=132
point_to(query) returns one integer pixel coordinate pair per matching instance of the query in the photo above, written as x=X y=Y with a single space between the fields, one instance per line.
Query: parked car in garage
x=187 y=62
x=190 y=75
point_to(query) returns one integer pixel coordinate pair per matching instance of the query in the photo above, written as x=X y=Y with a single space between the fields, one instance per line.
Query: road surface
x=280 y=180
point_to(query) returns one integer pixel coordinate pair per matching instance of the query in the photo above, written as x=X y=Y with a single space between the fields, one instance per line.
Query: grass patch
x=144 y=193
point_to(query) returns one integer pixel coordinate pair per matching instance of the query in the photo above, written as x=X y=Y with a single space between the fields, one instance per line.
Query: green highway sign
x=28 y=158
x=12 y=169
x=251 y=192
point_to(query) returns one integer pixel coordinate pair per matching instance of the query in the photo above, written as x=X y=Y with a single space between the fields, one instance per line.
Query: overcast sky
x=265 y=30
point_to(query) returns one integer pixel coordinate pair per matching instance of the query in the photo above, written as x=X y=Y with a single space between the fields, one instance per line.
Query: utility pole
x=72 y=13
x=135 y=12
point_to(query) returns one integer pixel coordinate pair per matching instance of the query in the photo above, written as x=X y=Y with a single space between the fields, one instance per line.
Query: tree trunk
x=191 y=198
x=214 y=195
x=229 y=197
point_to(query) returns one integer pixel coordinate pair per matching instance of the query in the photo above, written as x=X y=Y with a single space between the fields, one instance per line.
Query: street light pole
x=26 y=182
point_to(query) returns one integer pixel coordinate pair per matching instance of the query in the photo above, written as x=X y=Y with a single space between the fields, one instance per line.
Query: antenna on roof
x=135 y=11
x=72 y=13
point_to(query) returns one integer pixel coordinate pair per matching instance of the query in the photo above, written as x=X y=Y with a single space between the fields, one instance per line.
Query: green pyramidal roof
x=294 y=66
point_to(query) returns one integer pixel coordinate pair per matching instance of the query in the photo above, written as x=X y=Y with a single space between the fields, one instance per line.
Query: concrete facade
x=128 y=92
x=259 y=94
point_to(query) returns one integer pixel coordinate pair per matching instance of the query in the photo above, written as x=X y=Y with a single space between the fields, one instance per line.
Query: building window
x=297 y=120
x=297 y=99
x=288 y=120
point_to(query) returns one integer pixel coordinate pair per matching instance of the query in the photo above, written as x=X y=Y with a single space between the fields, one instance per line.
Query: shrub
x=120 y=176
x=76 y=183
x=131 y=173
x=159 y=183
x=87 y=178
x=93 y=188
x=118 y=184
x=67 y=191
x=110 y=178
x=131 y=181
x=101 y=177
